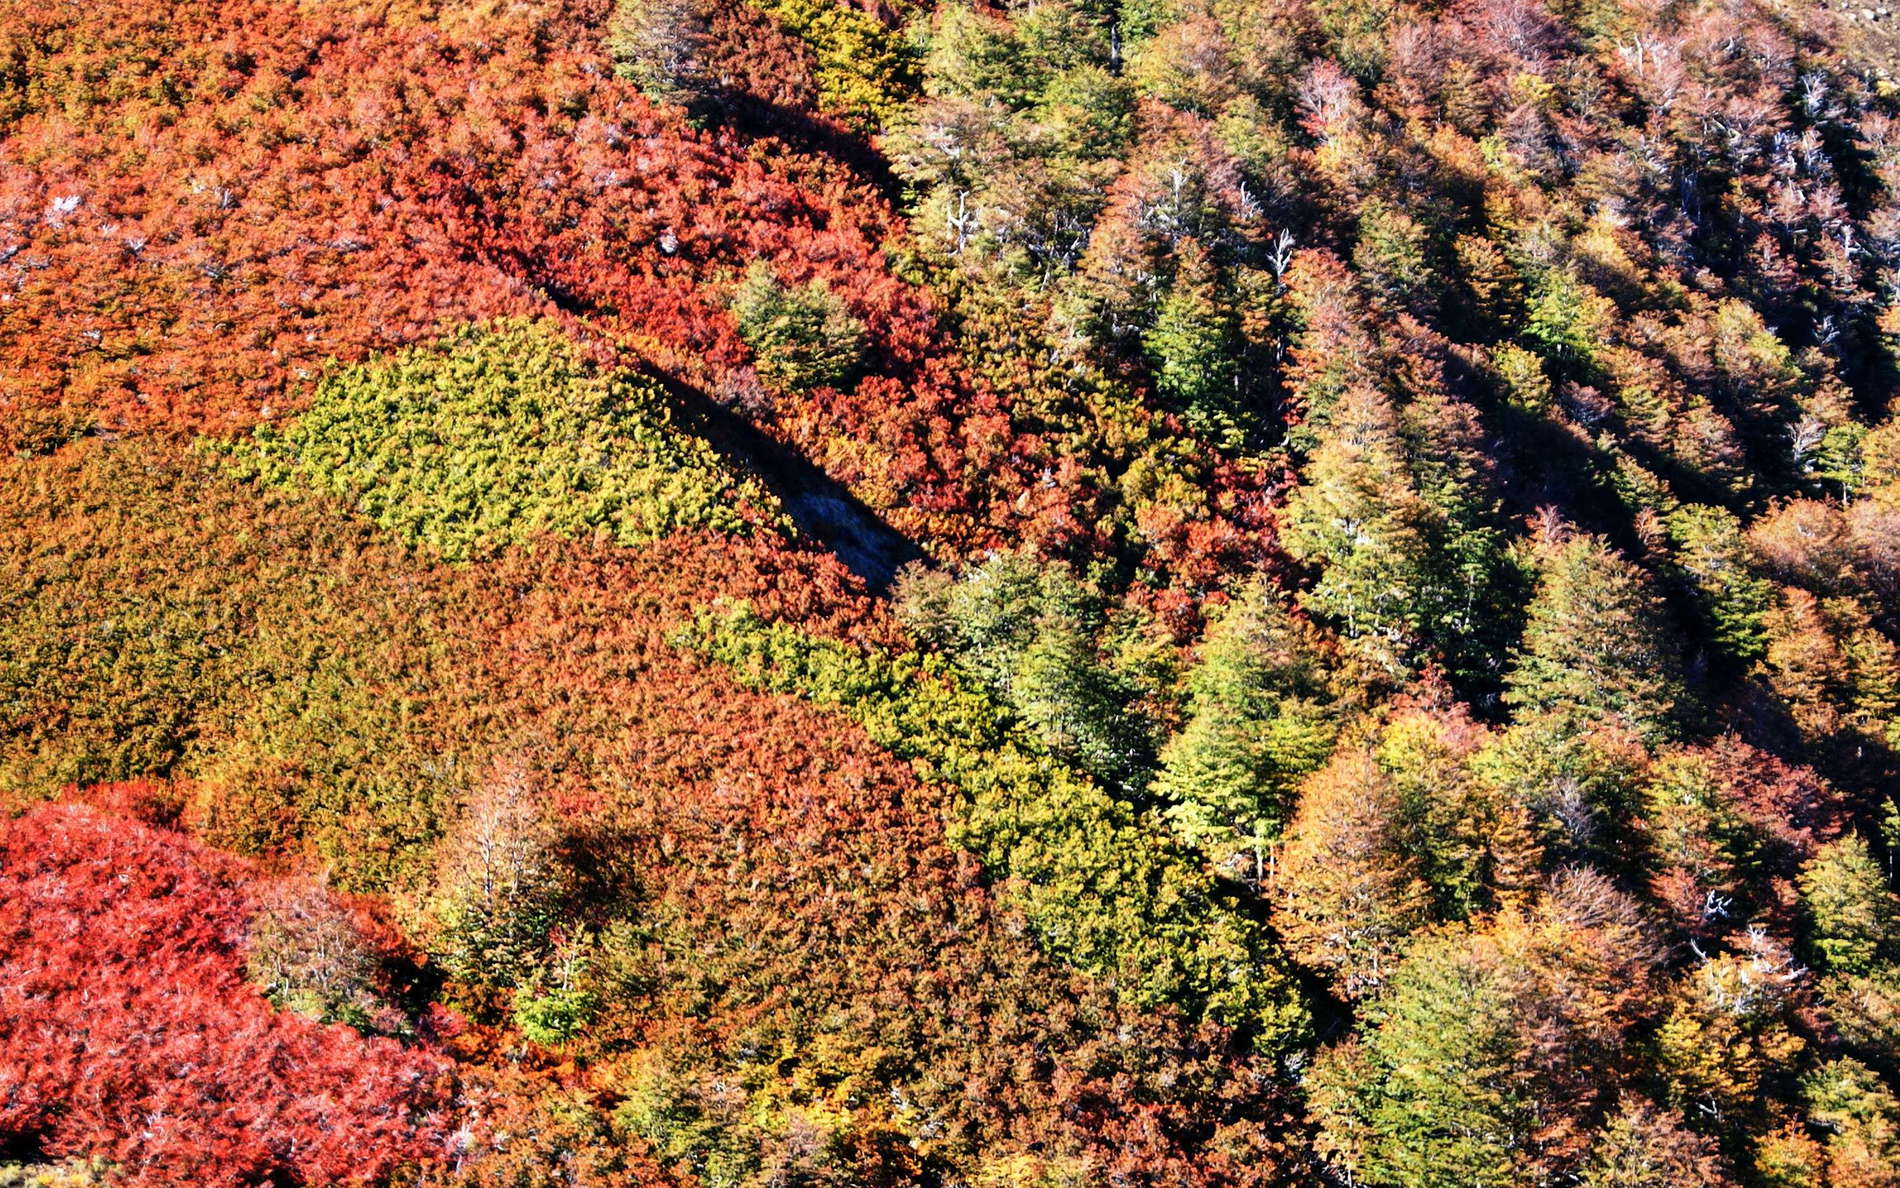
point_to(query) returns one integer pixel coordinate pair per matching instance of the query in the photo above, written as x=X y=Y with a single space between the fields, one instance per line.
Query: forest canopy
x=801 y=593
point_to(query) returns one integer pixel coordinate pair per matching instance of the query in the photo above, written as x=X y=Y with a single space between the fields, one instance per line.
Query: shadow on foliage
x=821 y=506
x=754 y=117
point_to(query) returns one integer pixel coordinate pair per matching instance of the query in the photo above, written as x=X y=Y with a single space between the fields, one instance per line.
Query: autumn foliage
x=788 y=593
x=130 y=1033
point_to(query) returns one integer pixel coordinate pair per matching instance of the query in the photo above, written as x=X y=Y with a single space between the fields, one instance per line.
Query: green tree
x=1357 y=31
x=1484 y=1058
x=1471 y=589
x=1031 y=633
x=1728 y=1031
x=1495 y=285
x=990 y=614
x=556 y=1004
x=1088 y=114
x=1709 y=550
x=1394 y=513
x=976 y=55
x=1577 y=780
x=1474 y=840
x=1188 y=65
x=865 y=72
x=1568 y=321
x=1393 y=256
x=1596 y=644
x=706 y=1132
x=659 y=46
x=1702 y=849
x=1259 y=717
x=1853 y=914
x=1357 y=517
x=1861 y=1117
x=1431 y=1096
x=803 y=337
x=1192 y=348
x=1078 y=705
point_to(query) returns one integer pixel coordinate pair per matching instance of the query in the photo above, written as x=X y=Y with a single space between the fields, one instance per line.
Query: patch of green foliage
x=498 y=434
x=866 y=73
x=552 y=1016
x=803 y=336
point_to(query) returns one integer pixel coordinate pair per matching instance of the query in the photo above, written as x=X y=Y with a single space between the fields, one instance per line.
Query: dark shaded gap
x=820 y=506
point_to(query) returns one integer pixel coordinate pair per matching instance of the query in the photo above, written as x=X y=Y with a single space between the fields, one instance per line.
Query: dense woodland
x=795 y=593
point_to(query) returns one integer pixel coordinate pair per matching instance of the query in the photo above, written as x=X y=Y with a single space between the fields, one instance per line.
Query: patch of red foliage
x=127 y=1030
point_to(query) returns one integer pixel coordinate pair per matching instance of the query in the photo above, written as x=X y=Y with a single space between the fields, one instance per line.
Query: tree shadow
x=820 y=506
x=754 y=117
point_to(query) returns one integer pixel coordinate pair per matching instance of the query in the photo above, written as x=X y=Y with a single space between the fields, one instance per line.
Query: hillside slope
x=767 y=592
